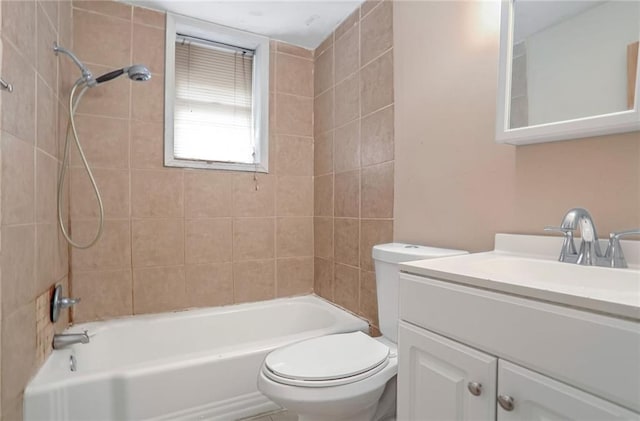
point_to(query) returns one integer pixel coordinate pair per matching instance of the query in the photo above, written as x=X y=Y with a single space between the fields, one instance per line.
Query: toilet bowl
x=334 y=377
x=347 y=376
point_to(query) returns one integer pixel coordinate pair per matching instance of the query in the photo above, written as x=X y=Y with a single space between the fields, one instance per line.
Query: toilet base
x=383 y=408
x=386 y=408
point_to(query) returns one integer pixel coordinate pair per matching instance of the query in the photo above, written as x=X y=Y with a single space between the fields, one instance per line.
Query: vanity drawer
x=593 y=352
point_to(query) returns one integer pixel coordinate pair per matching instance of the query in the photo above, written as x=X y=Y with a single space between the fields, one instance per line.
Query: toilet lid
x=328 y=357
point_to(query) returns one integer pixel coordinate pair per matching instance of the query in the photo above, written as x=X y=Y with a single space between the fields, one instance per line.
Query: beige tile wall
x=179 y=238
x=353 y=156
x=33 y=254
x=455 y=187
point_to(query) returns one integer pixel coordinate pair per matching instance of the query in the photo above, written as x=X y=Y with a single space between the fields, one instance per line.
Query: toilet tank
x=386 y=258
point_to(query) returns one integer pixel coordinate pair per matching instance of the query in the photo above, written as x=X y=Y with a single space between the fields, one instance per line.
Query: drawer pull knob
x=475 y=388
x=506 y=402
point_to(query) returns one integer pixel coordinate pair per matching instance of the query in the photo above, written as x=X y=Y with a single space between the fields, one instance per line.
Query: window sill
x=208 y=165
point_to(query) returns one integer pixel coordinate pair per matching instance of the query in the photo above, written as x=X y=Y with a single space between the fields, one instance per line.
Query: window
x=216 y=97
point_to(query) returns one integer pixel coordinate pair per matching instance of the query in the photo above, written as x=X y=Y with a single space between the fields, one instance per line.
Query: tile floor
x=275 y=416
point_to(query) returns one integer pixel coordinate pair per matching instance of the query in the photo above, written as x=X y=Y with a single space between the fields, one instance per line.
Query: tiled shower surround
x=177 y=238
x=34 y=255
x=354 y=152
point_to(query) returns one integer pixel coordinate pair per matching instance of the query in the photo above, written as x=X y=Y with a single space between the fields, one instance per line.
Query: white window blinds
x=213 y=102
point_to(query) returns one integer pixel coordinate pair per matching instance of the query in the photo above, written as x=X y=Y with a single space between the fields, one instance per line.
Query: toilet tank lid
x=401 y=252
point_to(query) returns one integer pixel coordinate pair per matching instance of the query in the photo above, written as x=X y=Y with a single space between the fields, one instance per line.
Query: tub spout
x=62 y=340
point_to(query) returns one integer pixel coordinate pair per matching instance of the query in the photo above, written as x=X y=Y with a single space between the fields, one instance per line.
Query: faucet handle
x=614 y=255
x=66 y=302
x=558 y=229
x=617 y=235
x=58 y=303
x=568 y=246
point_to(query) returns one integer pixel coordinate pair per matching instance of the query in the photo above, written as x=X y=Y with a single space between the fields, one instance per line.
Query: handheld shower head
x=136 y=72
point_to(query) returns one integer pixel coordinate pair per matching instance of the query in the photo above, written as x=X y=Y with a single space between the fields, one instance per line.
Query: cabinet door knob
x=475 y=388
x=506 y=402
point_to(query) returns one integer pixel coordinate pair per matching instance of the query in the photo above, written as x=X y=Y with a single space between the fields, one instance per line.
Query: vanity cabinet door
x=533 y=397
x=439 y=379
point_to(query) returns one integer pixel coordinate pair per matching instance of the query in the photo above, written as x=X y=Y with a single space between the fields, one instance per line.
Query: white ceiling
x=532 y=16
x=305 y=23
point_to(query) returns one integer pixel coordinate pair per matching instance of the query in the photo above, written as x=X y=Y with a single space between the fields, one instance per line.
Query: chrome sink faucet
x=65 y=339
x=590 y=253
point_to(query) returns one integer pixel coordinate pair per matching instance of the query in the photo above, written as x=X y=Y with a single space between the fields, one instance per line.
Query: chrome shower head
x=136 y=72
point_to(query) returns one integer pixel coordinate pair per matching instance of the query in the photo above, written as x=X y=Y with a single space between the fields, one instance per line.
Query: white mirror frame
x=618 y=122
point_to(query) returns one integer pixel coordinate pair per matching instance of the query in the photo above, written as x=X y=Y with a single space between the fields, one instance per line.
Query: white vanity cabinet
x=537 y=397
x=439 y=379
x=470 y=354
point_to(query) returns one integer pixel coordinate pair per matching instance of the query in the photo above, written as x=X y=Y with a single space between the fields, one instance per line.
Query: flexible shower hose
x=71 y=129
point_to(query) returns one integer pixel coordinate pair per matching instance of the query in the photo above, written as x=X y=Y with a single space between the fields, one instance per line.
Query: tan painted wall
x=455 y=187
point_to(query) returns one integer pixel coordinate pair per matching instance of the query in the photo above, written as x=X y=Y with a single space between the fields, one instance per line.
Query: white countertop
x=522 y=265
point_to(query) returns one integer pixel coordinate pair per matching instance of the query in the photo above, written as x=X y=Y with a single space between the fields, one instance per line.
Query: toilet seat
x=330 y=360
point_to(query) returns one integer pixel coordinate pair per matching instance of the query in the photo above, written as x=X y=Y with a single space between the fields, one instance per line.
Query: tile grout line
x=292 y=95
x=35 y=182
x=294 y=55
x=333 y=166
x=113 y=117
x=277 y=183
x=56 y=28
x=372 y=9
x=357 y=22
x=360 y=67
x=379 y=56
x=17 y=50
x=360 y=18
x=130 y=219
x=313 y=184
x=61 y=106
x=183 y=219
x=233 y=179
x=95 y=12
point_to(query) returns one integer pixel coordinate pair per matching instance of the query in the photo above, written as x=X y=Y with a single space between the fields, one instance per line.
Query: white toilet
x=348 y=376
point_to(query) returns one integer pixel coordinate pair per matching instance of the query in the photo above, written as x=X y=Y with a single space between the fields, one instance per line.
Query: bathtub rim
x=346 y=321
x=195 y=312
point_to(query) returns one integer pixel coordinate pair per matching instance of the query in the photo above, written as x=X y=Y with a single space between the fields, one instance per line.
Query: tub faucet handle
x=58 y=302
x=66 y=302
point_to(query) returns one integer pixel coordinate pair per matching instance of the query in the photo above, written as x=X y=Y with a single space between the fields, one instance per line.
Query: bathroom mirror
x=568 y=69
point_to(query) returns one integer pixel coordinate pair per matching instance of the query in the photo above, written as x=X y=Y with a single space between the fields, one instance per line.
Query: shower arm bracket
x=87 y=76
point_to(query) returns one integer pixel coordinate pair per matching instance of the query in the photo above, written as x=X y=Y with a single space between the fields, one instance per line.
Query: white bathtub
x=189 y=365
